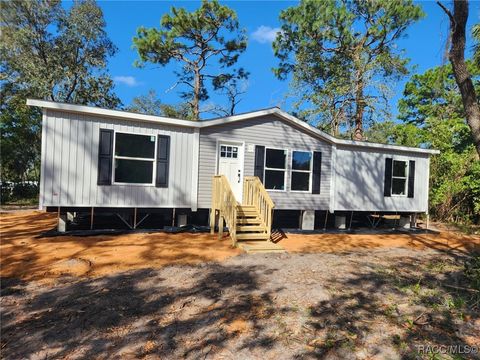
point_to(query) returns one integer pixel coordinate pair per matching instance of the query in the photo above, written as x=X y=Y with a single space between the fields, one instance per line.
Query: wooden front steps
x=252 y=233
x=249 y=218
x=249 y=224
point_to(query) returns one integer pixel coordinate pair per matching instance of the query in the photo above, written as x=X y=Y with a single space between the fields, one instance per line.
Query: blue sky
x=424 y=45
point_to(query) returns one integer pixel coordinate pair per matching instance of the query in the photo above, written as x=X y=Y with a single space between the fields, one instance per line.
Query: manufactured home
x=242 y=171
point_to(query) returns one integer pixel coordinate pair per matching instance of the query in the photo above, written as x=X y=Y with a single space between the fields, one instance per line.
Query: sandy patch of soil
x=442 y=241
x=27 y=256
x=71 y=267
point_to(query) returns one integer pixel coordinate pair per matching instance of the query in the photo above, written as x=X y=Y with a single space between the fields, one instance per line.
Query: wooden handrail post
x=221 y=225
x=213 y=208
x=212 y=220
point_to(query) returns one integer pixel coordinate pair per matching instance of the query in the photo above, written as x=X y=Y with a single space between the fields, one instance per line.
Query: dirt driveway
x=203 y=300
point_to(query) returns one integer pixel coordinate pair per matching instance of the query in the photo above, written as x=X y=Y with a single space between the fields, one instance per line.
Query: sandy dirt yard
x=158 y=295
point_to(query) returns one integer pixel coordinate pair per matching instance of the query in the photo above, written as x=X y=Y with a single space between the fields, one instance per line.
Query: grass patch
x=21 y=202
x=468 y=229
x=441 y=266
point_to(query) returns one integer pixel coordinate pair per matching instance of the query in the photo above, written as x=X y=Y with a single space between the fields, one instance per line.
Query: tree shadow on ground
x=265 y=305
x=404 y=306
x=139 y=313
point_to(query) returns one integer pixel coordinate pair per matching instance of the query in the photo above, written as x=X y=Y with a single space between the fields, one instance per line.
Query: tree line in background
x=49 y=53
x=341 y=57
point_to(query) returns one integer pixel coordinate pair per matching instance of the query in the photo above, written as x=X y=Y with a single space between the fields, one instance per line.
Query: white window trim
x=115 y=157
x=407 y=173
x=285 y=170
x=310 y=172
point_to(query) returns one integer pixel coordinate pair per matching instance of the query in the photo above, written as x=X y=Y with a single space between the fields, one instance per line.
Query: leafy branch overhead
x=48 y=53
x=432 y=115
x=150 y=104
x=195 y=39
x=55 y=54
x=342 y=55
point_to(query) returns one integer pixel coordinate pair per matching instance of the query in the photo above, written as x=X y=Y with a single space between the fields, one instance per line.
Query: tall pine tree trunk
x=359 y=107
x=458 y=23
x=196 y=94
x=359 y=92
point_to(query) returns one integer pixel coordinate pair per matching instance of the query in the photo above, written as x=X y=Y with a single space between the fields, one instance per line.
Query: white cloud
x=126 y=80
x=265 y=34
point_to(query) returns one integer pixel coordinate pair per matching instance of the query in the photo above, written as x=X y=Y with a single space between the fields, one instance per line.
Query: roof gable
x=219 y=121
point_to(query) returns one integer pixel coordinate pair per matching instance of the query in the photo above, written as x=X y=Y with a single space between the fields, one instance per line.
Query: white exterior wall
x=359 y=180
x=269 y=131
x=70 y=161
x=352 y=177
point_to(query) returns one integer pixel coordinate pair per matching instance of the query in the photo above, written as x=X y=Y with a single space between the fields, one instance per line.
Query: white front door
x=230 y=164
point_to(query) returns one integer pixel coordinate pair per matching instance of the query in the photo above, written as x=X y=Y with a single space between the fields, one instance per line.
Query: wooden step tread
x=252 y=236
x=247 y=215
x=251 y=228
x=246 y=207
x=249 y=221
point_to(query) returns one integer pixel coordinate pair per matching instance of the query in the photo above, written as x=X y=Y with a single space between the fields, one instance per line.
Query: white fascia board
x=118 y=114
x=386 y=147
x=235 y=118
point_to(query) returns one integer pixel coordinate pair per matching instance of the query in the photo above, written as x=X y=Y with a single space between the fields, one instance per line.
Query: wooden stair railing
x=254 y=194
x=223 y=201
x=251 y=220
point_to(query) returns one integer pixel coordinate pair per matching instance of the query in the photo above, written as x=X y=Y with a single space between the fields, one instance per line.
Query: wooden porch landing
x=260 y=247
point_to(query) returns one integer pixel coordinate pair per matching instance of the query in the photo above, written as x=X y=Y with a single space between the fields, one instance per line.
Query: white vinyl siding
x=360 y=176
x=272 y=132
x=70 y=162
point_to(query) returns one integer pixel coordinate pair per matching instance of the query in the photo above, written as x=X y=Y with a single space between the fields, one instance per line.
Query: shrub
x=25 y=190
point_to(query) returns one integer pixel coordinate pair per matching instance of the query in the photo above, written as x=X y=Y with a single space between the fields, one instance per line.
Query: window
x=228 y=151
x=275 y=167
x=134 y=158
x=399 y=177
x=301 y=170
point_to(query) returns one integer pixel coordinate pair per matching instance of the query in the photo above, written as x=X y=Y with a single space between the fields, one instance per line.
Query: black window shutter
x=387 y=189
x=317 y=170
x=259 y=161
x=163 y=160
x=105 y=156
x=411 y=178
